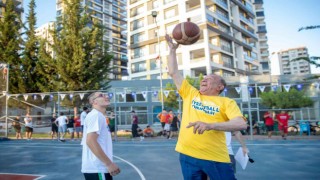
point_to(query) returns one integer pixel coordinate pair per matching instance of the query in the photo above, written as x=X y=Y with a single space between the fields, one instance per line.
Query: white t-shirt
x=62 y=120
x=228 y=141
x=82 y=117
x=96 y=122
x=28 y=124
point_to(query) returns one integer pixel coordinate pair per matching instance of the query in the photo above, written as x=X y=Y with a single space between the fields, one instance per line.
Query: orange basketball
x=186 y=33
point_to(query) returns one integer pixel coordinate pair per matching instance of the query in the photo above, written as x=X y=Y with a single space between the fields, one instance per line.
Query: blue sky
x=283 y=19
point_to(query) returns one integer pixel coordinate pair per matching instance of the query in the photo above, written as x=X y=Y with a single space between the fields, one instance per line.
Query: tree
x=10 y=46
x=30 y=53
x=81 y=58
x=172 y=99
x=285 y=100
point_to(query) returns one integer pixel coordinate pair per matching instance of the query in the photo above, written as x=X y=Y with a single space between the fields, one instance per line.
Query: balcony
x=222 y=3
x=246 y=20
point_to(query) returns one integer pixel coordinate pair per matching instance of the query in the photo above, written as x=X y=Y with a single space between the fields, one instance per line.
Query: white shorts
x=167 y=127
x=71 y=130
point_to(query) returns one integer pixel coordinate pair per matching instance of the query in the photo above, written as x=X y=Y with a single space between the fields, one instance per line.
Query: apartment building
x=228 y=45
x=287 y=66
x=112 y=14
x=262 y=44
x=43 y=32
x=18 y=3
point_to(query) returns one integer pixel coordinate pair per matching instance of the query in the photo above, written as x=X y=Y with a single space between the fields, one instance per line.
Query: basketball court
x=153 y=159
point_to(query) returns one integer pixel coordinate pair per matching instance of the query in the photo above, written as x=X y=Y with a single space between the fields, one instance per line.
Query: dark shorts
x=174 y=129
x=111 y=127
x=97 y=176
x=29 y=129
x=17 y=128
x=54 y=128
x=269 y=127
x=162 y=124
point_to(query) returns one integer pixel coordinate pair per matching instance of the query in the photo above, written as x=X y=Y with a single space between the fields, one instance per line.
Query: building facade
x=112 y=14
x=262 y=36
x=288 y=66
x=228 y=45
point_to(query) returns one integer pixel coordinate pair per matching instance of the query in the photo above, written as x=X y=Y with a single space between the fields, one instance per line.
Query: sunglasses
x=100 y=95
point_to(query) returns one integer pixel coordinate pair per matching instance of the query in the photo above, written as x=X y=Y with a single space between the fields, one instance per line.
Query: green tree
x=81 y=56
x=10 y=46
x=285 y=100
x=172 y=99
x=81 y=60
x=30 y=53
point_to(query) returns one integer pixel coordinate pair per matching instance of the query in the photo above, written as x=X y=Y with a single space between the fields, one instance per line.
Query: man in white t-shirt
x=83 y=115
x=62 y=122
x=97 y=153
x=239 y=137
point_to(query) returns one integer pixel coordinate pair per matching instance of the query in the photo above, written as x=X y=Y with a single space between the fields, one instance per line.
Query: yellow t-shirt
x=211 y=145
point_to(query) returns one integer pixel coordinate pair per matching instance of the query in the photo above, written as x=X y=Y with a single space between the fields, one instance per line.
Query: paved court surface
x=157 y=160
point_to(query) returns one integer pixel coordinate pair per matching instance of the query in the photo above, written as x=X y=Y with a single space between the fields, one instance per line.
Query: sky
x=283 y=19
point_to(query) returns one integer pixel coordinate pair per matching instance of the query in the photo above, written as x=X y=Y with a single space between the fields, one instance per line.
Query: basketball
x=186 y=33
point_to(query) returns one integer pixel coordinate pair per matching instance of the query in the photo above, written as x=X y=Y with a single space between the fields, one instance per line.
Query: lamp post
x=154 y=15
x=5 y=93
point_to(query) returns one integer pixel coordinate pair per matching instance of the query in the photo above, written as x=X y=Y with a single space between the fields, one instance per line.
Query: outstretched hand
x=171 y=44
x=199 y=127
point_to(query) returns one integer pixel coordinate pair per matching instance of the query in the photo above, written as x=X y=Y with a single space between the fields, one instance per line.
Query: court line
x=40 y=175
x=133 y=166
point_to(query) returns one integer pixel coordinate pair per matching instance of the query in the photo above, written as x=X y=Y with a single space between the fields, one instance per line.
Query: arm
x=235 y=124
x=239 y=137
x=96 y=149
x=172 y=63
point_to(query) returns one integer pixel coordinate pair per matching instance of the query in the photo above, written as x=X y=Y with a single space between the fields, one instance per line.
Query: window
x=137 y=24
x=136 y=38
x=170 y=13
x=138 y=67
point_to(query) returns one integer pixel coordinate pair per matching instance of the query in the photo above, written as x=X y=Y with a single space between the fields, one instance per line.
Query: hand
x=199 y=126
x=113 y=169
x=245 y=150
x=171 y=44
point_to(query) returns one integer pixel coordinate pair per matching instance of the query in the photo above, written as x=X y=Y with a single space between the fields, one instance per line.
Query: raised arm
x=172 y=62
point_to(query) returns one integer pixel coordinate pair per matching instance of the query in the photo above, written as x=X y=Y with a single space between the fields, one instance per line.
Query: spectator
x=112 y=122
x=97 y=154
x=238 y=136
x=70 y=127
x=148 y=132
x=174 y=127
x=83 y=115
x=4 y=72
x=62 y=122
x=283 y=119
x=78 y=128
x=54 y=127
x=206 y=116
x=134 y=122
x=17 y=127
x=268 y=117
x=140 y=133
x=163 y=116
x=29 y=126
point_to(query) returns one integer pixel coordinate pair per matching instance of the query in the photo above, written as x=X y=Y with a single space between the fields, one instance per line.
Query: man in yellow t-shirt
x=206 y=115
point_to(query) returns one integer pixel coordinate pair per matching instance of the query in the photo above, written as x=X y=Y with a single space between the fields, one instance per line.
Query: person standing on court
x=29 y=126
x=97 y=153
x=17 y=127
x=268 y=117
x=206 y=115
x=83 y=115
x=54 y=127
x=62 y=122
x=134 y=122
x=283 y=119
